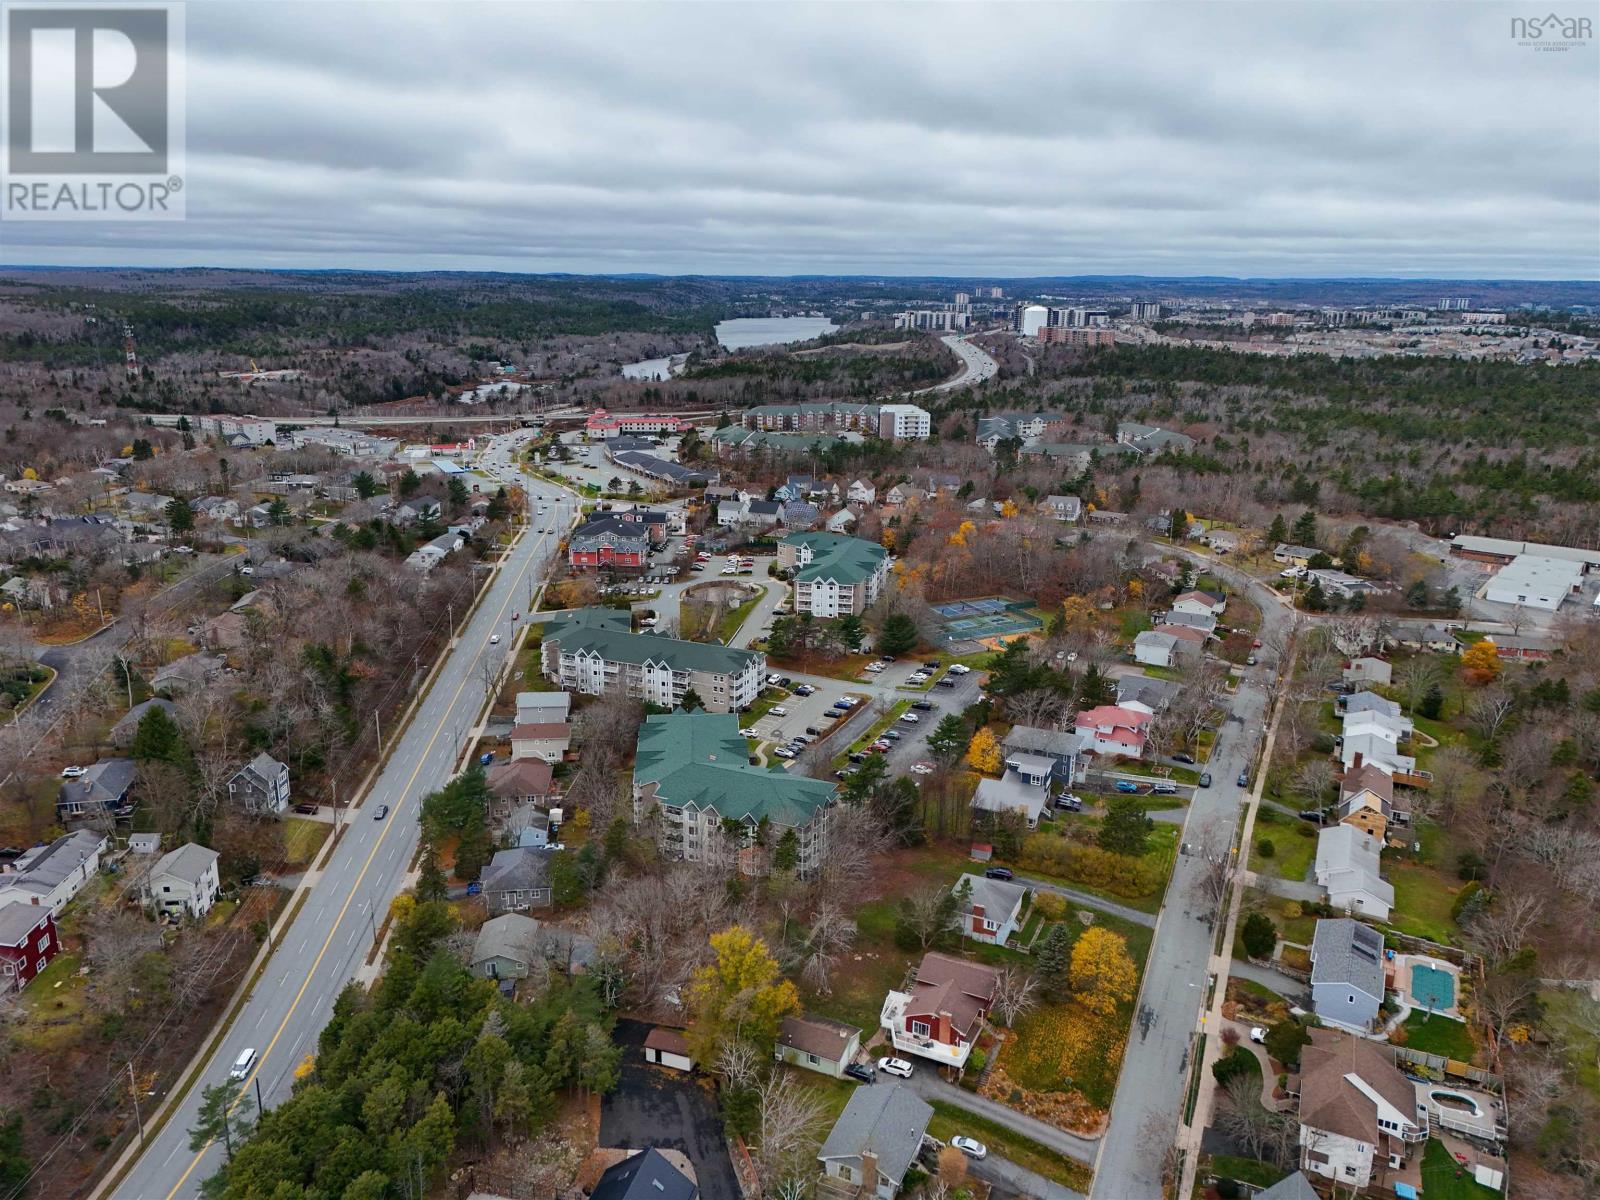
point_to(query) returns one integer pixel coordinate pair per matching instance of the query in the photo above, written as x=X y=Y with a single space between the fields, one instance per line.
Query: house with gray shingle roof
x=693 y=770
x=1346 y=973
x=185 y=881
x=876 y=1139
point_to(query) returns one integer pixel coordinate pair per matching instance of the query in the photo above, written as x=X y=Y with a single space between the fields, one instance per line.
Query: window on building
x=921 y=1028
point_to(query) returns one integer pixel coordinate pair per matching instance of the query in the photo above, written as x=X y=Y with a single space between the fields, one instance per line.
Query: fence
x=1449 y=1066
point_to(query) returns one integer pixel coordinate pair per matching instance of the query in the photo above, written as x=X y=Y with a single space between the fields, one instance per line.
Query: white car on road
x=971 y=1147
x=895 y=1066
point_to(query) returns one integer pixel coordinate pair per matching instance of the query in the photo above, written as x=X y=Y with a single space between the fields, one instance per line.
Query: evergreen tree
x=851 y=631
x=1126 y=828
x=365 y=485
x=1316 y=599
x=158 y=739
x=1418 y=595
x=180 y=517
x=948 y=740
x=430 y=880
x=1305 y=528
x=692 y=702
x=1053 y=962
x=1258 y=935
x=224 y=1117
x=1432 y=703
x=898 y=636
x=1278 y=531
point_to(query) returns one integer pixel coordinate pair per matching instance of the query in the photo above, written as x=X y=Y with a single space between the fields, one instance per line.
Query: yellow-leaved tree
x=1077 y=611
x=983 y=752
x=959 y=537
x=740 y=996
x=1008 y=509
x=29 y=473
x=1481 y=660
x=1103 y=975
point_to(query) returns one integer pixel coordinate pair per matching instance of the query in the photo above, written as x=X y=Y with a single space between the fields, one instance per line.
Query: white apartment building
x=903 y=423
x=594 y=652
x=834 y=575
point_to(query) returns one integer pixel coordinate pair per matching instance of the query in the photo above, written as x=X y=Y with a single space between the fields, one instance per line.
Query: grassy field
x=1292 y=851
x=948 y=1121
x=54 y=1004
x=302 y=839
x=1444 y=1179
x=1439 y=1035
x=1422 y=901
x=1246 y=1170
x=1561 y=1006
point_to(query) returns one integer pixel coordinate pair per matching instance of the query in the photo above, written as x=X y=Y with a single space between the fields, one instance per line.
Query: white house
x=1347 y=867
x=1200 y=604
x=185 y=881
x=993 y=909
x=1063 y=508
x=548 y=741
x=861 y=492
x=1367 y=669
x=52 y=875
x=1355 y=1106
x=540 y=708
x=1155 y=649
x=841 y=521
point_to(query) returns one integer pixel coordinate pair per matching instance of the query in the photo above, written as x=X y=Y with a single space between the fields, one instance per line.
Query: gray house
x=817 y=1044
x=1346 y=973
x=1061 y=746
x=517 y=879
x=874 y=1142
x=646 y=1175
x=505 y=947
x=123 y=731
x=261 y=786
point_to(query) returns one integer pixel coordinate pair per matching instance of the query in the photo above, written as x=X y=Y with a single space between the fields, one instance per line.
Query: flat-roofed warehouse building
x=1535 y=581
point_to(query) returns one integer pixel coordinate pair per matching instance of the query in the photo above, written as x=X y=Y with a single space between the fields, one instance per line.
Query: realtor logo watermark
x=94 y=114
x=1552 y=33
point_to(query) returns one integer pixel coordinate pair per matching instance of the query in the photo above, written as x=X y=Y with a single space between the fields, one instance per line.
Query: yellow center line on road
x=376 y=846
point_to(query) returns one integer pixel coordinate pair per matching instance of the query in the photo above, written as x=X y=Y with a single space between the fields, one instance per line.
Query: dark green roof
x=836 y=557
x=700 y=760
x=605 y=631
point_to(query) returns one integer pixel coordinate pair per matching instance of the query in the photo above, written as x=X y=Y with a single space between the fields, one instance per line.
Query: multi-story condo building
x=893 y=422
x=1143 y=310
x=601 y=424
x=833 y=575
x=692 y=772
x=1065 y=335
x=935 y=319
x=257 y=431
x=595 y=652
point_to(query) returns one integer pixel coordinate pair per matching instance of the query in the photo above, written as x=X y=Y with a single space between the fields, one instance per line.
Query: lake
x=747 y=332
x=655 y=368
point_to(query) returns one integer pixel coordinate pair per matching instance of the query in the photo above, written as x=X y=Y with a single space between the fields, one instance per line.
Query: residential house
x=541 y=708
x=644 y=1175
x=1062 y=747
x=1071 y=458
x=1433 y=638
x=817 y=1044
x=50 y=876
x=806 y=487
x=1200 y=604
x=1294 y=556
x=1023 y=427
x=417 y=510
x=903 y=495
x=1367 y=801
x=257 y=516
x=529 y=826
x=862 y=493
x=188 y=673
x=215 y=508
x=942 y=1015
x=665 y=1047
x=1367 y=669
x=1203 y=622
x=1063 y=508
x=1146 y=693
x=547 y=741
x=1342 y=584
x=1156 y=648
x=993 y=910
x=517 y=879
x=606 y=540
x=874 y=1143
x=524 y=781
x=144 y=843
x=833 y=576
x=1346 y=866
x=798 y=514
x=1113 y=731
x=101 y=792
x=594 y=651
x=1290 y=1187
x=1152 y=439
x=122 y=733
x=28 y=941
x=1364 y=702
x=1527 y=647
x=1358 y=1113
x=1023 y=789
x=431 y=553
x=759 y=513
x=1347 y=973
x=505 y=947
x=184 y=882
x=1223 y=541
x=693 y=770
x=261 y=786
x=840 y=522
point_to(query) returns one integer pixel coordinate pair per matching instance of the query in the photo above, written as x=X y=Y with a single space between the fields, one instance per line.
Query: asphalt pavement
x=977 y=366
x=327 y=942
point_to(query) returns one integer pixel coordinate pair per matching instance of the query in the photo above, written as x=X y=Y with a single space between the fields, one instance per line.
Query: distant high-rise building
x=1063 y=335
x=962 y=301
x=1145 y=311
x=1031 y=318
x=1455 y=302
x=935 y=319
x=996 y=293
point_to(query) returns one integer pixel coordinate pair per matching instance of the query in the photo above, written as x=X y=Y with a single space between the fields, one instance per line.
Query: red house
x=943 y=1013
x=28 y=941
x=1113 y=730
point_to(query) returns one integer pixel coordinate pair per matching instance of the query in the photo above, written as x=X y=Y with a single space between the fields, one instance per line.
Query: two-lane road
x=328 y=941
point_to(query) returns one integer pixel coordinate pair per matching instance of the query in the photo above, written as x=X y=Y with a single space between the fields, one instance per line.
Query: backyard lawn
x=54 y=1003
x=1445 y=1179
x=1562 y=1012
x=302 y=839
x=1439 y=1035
x=1292 y=852
x=948 y=1121
x=1422 y=901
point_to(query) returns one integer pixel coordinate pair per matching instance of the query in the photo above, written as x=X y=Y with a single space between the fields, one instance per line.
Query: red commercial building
x=28 y=941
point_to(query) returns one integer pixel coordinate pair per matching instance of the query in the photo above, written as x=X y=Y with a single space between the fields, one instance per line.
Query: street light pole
x=133 y=1090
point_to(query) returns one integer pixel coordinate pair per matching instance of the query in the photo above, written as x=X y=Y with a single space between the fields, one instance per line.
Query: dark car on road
x=923 y=705
x=1182 y=757
x=1244 y=778
x=862 y=1072
x=383 y=811
x=999 y=873
x=1205 y=778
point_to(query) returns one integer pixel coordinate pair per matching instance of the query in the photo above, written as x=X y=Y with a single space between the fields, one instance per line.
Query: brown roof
x=523 y=777
x=817 y=1035
x=1183 y=633
x=668 y=1041
x=1330 y=1103
x=952 y=985
x=1369 y=778
x=544 y=731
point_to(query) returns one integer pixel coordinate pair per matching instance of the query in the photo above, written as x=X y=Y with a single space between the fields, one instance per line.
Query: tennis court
x=984 y=618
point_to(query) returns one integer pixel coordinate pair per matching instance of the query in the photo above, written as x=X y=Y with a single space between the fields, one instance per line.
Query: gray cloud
x=1323 y=137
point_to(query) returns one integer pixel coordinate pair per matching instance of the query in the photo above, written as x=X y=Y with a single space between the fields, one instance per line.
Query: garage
x=667 y=1048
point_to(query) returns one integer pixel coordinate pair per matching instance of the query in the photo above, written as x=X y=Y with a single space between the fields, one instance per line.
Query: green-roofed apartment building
x=834 y=575
x=712 y=806
x=595 y=651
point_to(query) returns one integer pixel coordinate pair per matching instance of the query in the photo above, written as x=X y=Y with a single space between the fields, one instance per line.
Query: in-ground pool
x=1457 y=1101
x=1432 y=988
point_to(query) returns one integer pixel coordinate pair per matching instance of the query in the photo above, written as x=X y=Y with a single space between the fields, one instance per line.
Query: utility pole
x=133 y=1090
x=260 y=1107
x=373 y=921
x=378 y=725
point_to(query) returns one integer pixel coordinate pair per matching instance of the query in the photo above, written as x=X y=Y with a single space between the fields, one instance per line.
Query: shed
x=668 y=1048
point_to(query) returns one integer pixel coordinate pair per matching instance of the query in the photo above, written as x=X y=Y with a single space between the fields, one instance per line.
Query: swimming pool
x=1432 y=988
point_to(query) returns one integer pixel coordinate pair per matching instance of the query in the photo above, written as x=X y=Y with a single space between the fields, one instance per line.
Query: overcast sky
x=1276 y=138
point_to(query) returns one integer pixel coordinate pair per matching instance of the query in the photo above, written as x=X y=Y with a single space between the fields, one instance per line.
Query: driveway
x=1287 y=986
x=1005 y=1178
x=1086 y=900
x=657 y=1106
x=927 y=1084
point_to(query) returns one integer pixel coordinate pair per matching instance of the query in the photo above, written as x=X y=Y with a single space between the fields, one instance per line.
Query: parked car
x=813 y=731
x=783 y=752
x=910 y=718
x=862 y=1071
x=923 y=705
x=999 y=873
x=895 y=1066
x=1251 y=661
x=1164 y=788
x=774 y=680
x=805 y=689
x=778 y=710
x=873 y=667
x=891 y=735
x=1205 y=778
x=960 y=669
x=1244 y=778
x=922 y=768
x=747 y=733
x=73 y=772
x=1258 y=1035
x=1069 y=802
x=1127 y=786
x=971 y=1147
x=1183 y=757
x=946 y=682
x=858 y=756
